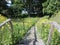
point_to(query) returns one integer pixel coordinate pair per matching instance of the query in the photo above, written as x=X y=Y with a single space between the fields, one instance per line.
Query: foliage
x=43 y=30
x=3 y=5
x=46 y=6
x=51 y=6
x=16 y=8
x=5 y=35
x=20 y=28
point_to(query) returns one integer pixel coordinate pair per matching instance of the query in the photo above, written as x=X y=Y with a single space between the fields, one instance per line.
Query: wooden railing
x=4 y=23
x=53 y=25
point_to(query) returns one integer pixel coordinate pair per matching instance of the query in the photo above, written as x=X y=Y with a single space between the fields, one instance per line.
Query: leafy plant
x=43 y=30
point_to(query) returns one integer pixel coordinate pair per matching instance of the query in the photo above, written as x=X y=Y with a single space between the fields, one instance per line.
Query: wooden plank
x=11 y=25
x=50 y=34
x=5 y=22
x=56 y=26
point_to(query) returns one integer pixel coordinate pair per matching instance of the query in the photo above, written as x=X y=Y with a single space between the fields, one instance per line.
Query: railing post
x=12 y=32
x=50 y=34
x=35 y=29
x=23 y=24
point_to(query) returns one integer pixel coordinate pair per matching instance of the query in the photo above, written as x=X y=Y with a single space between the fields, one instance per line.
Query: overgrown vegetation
x=21 y=25
x=20 y=28
x=51 y=6
x=43 y=31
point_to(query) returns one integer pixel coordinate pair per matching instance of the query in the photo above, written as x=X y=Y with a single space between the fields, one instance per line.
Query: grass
x=43 y=31
x=20 y=28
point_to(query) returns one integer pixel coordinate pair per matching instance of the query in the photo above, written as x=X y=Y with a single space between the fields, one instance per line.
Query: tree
x=16 y=8
x=13 y=10
x=51 y=6
x=3 y=5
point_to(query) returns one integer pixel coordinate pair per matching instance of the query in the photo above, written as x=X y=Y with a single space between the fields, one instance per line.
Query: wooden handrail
x=53 y=24
x=8 y=20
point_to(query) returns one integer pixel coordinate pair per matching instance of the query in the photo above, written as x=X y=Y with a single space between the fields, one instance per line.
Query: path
x=31 y=38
